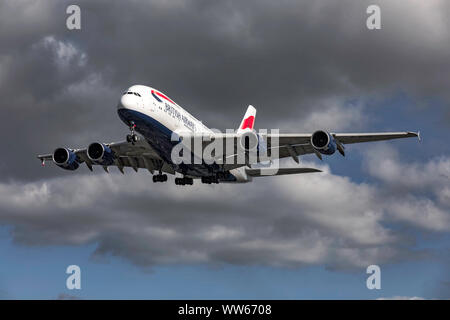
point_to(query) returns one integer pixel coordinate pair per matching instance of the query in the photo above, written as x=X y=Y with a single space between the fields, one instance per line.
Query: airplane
x=154 y=119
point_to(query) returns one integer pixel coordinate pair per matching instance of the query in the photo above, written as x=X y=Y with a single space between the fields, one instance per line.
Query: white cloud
x=280 y=221
x=331 y=114
x=66 y=53
x=401 y=298
x=383 y=162
x=415 y=193
x=422 y=213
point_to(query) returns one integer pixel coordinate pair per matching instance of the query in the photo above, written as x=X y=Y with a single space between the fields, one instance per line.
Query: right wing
x=137 y=155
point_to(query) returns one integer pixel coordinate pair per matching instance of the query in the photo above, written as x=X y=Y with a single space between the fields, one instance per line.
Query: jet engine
x=100 y=153
x=323 y=142
x=66 y=159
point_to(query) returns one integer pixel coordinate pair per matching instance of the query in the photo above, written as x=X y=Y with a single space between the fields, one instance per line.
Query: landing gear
x=160 y=178
x=210 y=179
x=133 y=138
x=183 y=181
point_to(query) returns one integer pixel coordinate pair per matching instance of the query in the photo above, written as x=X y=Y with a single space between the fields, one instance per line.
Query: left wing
x=285 y=144
x=295 y=144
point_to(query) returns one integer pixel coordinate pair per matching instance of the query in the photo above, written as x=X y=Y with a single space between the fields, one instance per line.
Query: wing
x=293 y=145
x=137 y=155
x=280 y=145
x=287 y=144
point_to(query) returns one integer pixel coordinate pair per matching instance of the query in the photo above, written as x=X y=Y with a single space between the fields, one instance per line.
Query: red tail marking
x=248 y=123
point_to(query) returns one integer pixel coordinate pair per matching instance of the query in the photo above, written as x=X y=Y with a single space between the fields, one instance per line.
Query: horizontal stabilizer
x=261 y=172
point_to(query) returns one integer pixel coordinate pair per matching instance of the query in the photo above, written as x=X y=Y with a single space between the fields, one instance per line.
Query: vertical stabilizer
x=248 y=121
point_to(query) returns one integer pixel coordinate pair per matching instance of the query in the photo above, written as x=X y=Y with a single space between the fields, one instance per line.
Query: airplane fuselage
x=157 y=117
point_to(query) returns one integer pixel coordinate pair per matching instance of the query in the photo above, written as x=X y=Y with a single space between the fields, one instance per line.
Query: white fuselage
x=157 y=117
x=158 y=106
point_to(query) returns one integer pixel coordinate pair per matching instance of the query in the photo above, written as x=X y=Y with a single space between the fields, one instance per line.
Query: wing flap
x=348 y=138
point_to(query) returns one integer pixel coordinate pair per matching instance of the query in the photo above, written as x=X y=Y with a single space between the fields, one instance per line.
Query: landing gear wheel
x=184 y=181
x=210 y=179
x=132 y=137
x=160 y=178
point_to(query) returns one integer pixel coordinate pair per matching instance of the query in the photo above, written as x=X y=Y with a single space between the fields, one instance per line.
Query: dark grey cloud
x=291 y=59
x=287 y=58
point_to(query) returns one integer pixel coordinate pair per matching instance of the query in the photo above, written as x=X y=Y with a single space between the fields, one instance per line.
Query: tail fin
x=248 y=121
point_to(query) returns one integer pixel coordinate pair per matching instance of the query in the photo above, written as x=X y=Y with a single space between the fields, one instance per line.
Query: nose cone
x=127 y=101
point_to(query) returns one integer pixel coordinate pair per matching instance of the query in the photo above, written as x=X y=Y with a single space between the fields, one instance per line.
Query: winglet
x=419 y=137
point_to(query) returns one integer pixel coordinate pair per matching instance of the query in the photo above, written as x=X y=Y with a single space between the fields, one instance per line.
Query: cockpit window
x=129 y=92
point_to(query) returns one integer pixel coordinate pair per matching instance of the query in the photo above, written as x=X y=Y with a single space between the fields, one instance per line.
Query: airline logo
x=157 y=95
x=248 y=123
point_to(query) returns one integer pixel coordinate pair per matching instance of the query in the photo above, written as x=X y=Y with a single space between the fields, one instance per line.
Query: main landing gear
x=160 y=178
x=133 y=136
x=210 y=179
x=184 y=181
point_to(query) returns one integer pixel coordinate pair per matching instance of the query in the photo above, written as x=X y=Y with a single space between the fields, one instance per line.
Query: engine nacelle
x=66 y=159
x=323 y=142
x=100 y=153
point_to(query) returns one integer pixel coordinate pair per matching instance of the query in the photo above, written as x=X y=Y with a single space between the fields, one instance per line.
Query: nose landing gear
x=133 y=138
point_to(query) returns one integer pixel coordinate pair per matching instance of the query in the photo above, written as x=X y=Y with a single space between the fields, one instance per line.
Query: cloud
x=415 y=193
x=401 y=298
x=65 y=53
x=304 y=64
x=301 y=63
x=65 y=296
x=383 y=162
x=324 y=219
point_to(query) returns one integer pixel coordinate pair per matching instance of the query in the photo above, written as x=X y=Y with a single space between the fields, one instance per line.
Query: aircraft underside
x=159 y=138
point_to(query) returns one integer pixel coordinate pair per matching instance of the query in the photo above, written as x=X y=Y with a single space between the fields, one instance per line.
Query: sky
x=305 y=65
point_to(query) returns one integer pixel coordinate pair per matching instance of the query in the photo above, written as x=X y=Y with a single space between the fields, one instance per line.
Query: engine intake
x=323 y=142
x=66 y=159
x=100 y=153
